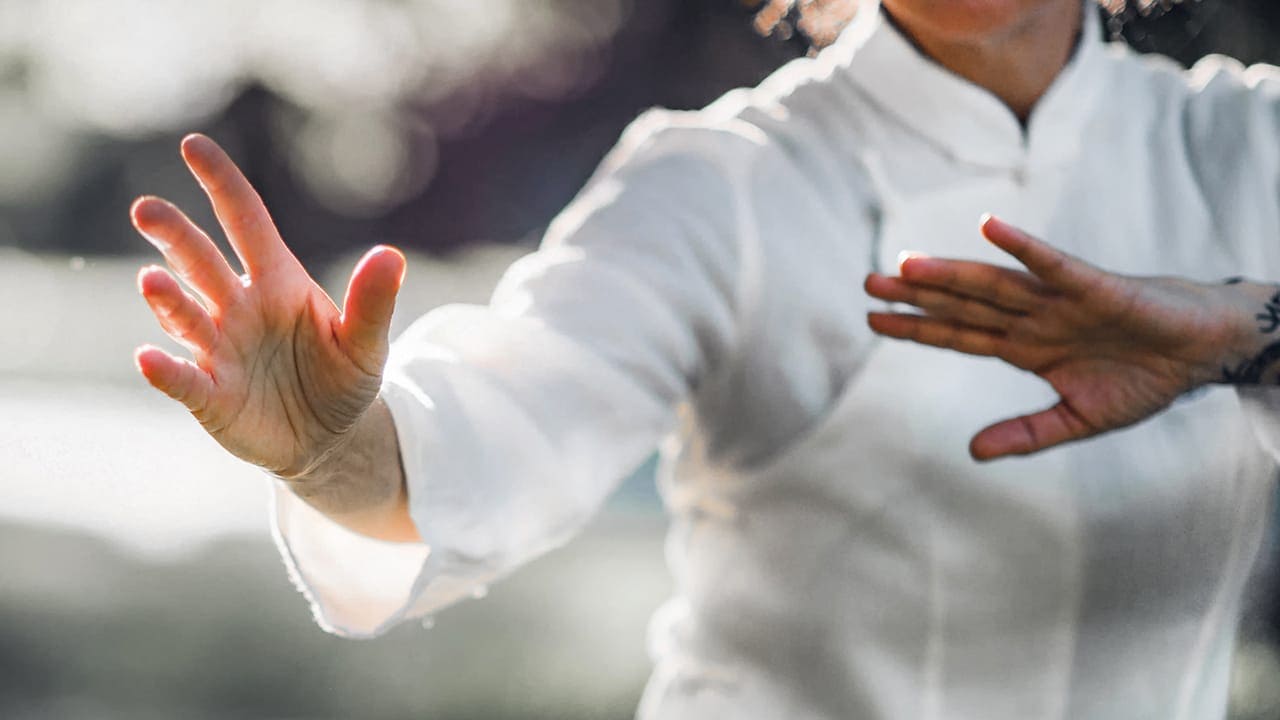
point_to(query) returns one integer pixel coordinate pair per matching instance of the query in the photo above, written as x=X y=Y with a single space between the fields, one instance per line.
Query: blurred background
x=137 y=579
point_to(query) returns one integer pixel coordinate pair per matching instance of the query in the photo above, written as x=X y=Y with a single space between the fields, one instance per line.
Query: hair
x=820 y=21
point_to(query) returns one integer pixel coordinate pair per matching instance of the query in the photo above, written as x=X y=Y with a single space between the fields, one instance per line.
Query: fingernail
x=191 y=141
x=906 y=255
x=138 y=212
x=145 y=271
x=997 y=222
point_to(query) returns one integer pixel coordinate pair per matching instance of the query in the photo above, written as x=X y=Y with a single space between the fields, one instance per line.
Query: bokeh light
x=133 y=68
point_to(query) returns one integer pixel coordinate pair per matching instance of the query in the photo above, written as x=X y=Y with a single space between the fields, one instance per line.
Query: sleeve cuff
x=1262 y=407
x=360 y=587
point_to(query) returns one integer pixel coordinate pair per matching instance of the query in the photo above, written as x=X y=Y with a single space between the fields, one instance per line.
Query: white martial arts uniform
x=836 y=552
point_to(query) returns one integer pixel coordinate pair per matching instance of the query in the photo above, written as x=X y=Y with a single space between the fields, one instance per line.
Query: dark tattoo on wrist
x=1252 y=371
x=1269 y=319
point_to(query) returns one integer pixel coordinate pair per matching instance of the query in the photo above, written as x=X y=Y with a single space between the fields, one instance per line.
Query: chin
x=962 y=20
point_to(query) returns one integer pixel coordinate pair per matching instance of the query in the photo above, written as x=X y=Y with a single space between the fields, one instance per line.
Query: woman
x=837 y=553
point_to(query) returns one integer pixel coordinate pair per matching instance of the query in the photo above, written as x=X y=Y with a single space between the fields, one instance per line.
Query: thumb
x=371 y=298
x=1030 y=433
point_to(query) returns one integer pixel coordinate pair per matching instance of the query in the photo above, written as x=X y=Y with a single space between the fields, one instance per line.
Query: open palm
x=1117 y=349
x=279 y=374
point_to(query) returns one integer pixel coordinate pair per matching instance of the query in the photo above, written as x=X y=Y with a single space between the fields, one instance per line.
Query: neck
x=1017 y=64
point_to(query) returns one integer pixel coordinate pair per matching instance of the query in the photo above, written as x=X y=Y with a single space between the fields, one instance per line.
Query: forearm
x=360 y=484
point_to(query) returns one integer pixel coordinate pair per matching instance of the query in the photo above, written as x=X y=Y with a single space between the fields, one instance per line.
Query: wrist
x=1249 y=351
x=359 y=482
x=324 y=464
x=315 y=470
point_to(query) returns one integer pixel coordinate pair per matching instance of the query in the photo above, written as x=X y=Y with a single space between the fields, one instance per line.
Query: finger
x=1043 y=260
x=1005 y=288
x=186 y=247
x=239 y=208
x=184 y=319
x=179 y=379
x=370 y=301
x=938 y=333
x=1030 y=433
x=941 y=304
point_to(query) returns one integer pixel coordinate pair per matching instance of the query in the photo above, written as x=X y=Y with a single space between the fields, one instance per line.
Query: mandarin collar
x=964 y=120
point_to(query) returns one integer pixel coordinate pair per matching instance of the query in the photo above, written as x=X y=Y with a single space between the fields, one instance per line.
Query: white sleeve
x=1262 y=407
x=1233 y=126
x=516 y=420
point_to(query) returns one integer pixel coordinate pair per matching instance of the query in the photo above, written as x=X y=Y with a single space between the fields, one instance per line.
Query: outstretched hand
x=1117 y=349
x=279 y=374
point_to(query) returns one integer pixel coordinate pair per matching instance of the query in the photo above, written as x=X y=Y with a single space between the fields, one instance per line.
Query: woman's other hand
x=280 y=374
x=1117 y=349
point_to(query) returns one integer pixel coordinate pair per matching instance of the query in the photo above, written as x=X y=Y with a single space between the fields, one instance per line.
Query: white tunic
x=836 y=552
